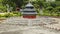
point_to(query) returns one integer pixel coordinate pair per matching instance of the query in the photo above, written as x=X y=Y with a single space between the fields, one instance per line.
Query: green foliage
x=14 y=3
x=18 y=3
x=3 y=8
x=49 y=8
x=12 y=14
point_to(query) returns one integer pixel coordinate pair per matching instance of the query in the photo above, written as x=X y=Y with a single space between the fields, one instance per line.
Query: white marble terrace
x=41 y=25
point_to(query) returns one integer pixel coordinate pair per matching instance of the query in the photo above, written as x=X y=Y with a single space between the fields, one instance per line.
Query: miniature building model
x=29 y=11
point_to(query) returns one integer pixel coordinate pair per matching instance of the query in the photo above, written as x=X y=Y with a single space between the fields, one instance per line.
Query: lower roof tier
x=29 y=12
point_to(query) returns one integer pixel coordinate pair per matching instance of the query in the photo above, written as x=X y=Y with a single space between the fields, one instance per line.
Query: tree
x=18 y=3
x=14 y=3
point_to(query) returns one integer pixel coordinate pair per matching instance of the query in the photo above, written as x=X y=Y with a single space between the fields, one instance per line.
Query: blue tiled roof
x=29 y=10
x=29 y=13
x=29 y=5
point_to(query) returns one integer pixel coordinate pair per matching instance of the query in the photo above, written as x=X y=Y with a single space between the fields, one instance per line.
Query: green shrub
x=6 y=15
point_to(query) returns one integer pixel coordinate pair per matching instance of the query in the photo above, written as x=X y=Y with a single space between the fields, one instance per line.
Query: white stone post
x=7 y=8
x=11 y=8
x=29 y=22
x=41 y=12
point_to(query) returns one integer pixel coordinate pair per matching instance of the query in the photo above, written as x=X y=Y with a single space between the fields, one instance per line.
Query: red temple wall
x=29 y=16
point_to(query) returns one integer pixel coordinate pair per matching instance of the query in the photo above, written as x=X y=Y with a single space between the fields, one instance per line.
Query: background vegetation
x=51 y=8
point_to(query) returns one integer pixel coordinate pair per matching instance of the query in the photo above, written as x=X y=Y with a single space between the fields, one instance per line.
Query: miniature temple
x=29 y=11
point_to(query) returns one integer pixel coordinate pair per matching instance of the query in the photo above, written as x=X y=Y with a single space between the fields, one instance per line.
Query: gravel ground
x=17 y=25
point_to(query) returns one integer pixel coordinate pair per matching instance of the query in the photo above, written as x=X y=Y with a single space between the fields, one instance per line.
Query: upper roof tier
x=29 y=5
